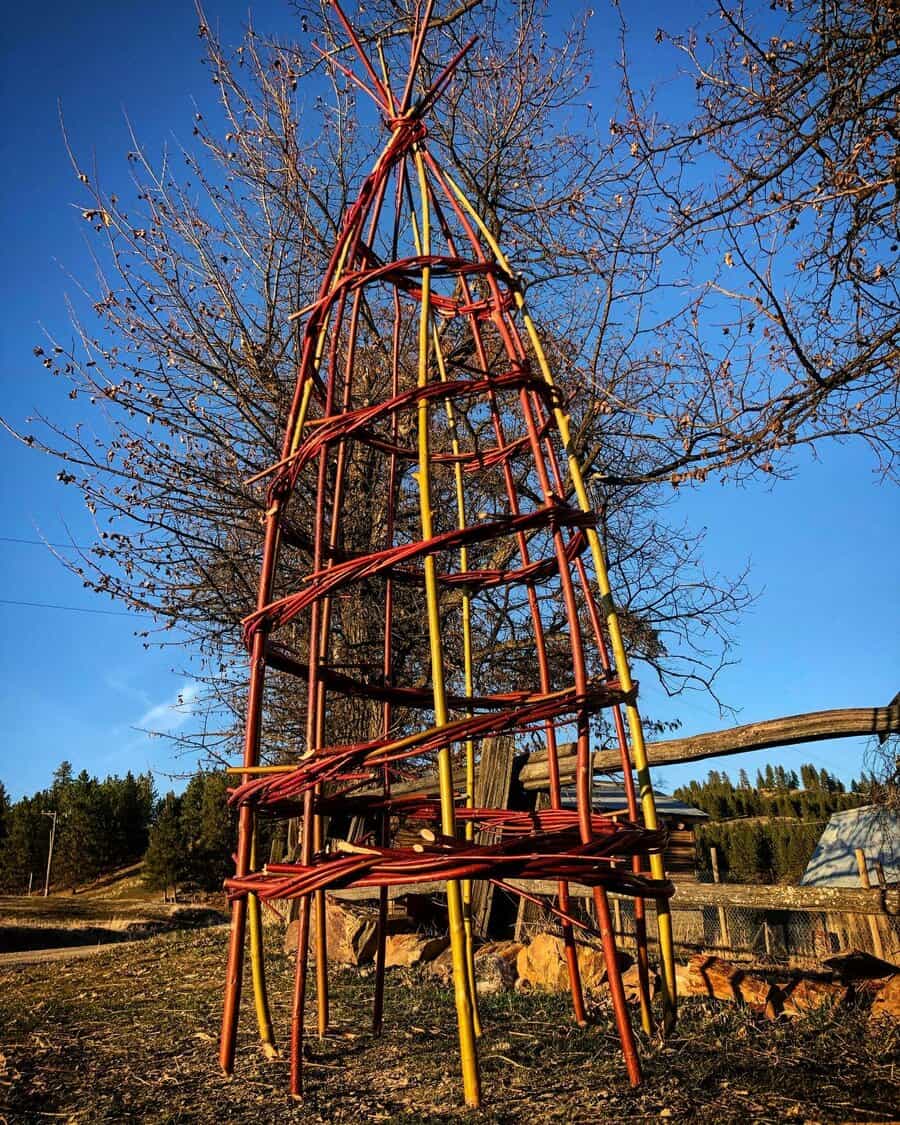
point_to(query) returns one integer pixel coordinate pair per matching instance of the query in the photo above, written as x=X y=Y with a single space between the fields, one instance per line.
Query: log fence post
x=874 y=928
x=724 y=936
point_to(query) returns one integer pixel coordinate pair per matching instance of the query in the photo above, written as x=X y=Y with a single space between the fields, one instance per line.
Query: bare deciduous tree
x=715 y=292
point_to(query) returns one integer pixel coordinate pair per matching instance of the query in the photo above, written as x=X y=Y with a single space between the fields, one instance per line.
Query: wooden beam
x=751 y=896
x=370 y=894
x=792 y=730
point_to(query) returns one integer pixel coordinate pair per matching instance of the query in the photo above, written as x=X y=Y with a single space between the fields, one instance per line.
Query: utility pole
x=53 y=815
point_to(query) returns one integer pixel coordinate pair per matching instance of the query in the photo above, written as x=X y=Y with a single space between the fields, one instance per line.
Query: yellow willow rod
x=638 y=747
x=468 y=1056
x=467 y=654
x=257 y=964
x=469 y=684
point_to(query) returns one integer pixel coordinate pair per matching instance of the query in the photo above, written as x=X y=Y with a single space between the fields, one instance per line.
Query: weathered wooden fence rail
x=794 y=924
x=844 y=900
x=790 y=730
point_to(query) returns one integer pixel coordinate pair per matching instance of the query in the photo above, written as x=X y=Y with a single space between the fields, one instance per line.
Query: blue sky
x=80 y=685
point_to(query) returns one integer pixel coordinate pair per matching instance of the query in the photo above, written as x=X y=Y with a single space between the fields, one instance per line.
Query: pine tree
x=23 y=851
x=5 y=805
x=164 y=862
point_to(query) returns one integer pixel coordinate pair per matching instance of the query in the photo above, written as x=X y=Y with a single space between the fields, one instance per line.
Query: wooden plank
x=791 y=730
x=492 y=781
x=528 y=913
x=367 y=894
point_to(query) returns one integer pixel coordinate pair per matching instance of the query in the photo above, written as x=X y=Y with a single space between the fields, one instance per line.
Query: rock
x=809 y=994
x=441 y=968
x=404 y=950
x=542 y=964
x=495 y=966
x=713 y=976
x=683 y=981
x=351 y=934
x=886 y=1004
x=631 y=981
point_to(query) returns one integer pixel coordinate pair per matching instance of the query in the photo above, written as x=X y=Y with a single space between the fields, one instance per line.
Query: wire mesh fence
x=779 y=936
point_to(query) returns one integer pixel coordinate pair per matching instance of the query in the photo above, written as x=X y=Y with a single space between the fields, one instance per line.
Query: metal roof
x=609 y=796
x=875 y=830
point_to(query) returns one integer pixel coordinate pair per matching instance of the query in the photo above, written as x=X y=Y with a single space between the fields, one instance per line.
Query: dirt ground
x=131 y=1035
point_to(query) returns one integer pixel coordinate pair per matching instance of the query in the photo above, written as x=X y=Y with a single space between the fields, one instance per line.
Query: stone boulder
x=441 y=968
x=404 y=950
x=542 y=964
x=496 y=966
x=352 y=934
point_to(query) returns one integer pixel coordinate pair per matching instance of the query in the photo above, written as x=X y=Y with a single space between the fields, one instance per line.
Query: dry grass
x=38 y=923
x=131 y=1035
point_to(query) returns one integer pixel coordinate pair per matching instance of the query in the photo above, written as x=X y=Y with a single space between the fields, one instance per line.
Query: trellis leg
x=302 y=960
x=468 y=675
x=583 y=774
x=640 y=924
x=321 y=936
x=235 y=966
x=257 y=965
x=387 y=664
x=469 y=685
x=468 y=1055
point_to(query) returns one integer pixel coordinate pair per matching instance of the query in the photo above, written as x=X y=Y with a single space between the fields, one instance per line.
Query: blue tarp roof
x=875 y=830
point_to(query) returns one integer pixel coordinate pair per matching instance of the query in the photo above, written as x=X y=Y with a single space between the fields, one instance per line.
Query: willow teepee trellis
x=463 y=359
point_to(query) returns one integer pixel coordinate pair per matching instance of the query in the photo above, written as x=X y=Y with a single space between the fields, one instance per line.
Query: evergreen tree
x=4 y=812
x=208 y=826
x=165 y=861
x=81 y=830
x=23 y=850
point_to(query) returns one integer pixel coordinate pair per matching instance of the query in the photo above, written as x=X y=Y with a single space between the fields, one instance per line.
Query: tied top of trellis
x=403 y=117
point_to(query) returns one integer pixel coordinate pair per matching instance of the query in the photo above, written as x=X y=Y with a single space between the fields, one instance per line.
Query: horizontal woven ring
x=324 y=582
x=281 y=791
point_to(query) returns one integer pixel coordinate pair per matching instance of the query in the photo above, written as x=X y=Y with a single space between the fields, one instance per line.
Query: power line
x=41 y=543
x=67 y=608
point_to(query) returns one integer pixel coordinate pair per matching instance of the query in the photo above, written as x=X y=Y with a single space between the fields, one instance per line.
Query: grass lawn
x=130 y=1034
